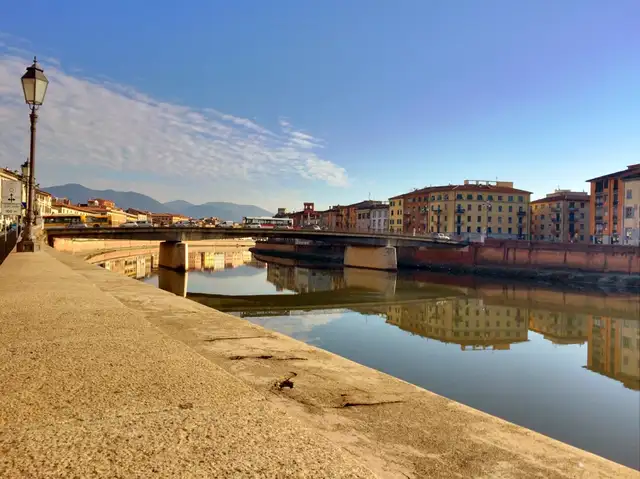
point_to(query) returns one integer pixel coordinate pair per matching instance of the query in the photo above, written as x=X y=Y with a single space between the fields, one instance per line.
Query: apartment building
x=607 y=206
x=396 y=214
x=561 y=216
x=372 y=217
x=494 y=208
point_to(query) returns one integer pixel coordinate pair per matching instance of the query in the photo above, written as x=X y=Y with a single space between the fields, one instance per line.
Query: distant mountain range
x=130 y=199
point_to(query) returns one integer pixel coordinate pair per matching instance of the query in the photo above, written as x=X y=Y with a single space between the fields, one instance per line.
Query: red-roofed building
x=561 y=216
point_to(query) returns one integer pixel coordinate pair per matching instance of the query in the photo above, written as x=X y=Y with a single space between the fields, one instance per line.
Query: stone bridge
x=363 y=250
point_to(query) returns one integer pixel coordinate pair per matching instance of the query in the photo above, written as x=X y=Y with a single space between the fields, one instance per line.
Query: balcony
x=522 y=213
x=556 y=220
x=459 y=210
x=573 y=209
x=556 y=209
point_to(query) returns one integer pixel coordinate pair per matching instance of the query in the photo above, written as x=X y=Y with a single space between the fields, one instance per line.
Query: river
x=563 y=363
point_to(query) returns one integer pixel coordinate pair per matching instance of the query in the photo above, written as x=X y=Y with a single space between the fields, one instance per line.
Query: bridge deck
x=199 y=234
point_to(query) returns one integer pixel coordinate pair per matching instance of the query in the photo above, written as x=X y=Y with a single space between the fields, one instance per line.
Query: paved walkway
x=103 y=375
x=90 y=388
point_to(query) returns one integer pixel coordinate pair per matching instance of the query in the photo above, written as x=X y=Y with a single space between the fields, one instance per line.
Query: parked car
x=442 y=236
x=129 y=224
x=145 y=224
x=312 y=227
x=77 y=225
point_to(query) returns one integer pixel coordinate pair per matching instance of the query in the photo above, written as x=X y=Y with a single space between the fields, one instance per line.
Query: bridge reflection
x=465 y=311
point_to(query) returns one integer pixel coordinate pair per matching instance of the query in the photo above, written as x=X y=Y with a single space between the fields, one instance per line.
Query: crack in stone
x=229 y=338
x=268 y=356
x=377 y=403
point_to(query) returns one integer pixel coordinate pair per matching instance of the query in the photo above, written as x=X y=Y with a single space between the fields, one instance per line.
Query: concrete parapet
x=120 y=377
x=174 y=256
x=371 y=257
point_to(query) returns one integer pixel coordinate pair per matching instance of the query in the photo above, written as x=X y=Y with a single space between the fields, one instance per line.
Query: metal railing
x=8 y=240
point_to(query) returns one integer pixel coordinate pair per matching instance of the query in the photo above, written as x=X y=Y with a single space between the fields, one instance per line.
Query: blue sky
x=344 y=98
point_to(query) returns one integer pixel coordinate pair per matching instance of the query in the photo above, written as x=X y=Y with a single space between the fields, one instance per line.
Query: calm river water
x=565 y=364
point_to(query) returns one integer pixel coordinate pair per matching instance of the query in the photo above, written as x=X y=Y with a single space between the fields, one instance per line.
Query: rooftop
x=469 y=185
x=632 y=170
x=563 y=195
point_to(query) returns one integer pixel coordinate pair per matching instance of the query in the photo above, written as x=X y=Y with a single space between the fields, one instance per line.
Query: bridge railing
x=8 y=240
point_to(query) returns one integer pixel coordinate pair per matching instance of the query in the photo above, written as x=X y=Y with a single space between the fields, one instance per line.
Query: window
x=510 y=199
x=489 y=219
x=628 y=212
x=499 y=229
x=469 y=219
x=468 y=229
x=510 y=209
x=479 y=197
x=479 y=219
x=469 y=196
x=439 y=197
x=581 y=237
x=499 y=219
x=521 y=199
x=489 y=229
x=459 y=196
x=468 y=207
x=510 y=220
x=629 y=194
x=478 y=230
x=582 y=205
x=500 y=209
x=509 y=230
x=479 y=207
x=541 y=227
x=541 y=217
x=446 y=197
x=490 y=197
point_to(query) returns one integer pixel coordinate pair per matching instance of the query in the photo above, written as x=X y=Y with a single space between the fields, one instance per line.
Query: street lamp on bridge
x=34 y=86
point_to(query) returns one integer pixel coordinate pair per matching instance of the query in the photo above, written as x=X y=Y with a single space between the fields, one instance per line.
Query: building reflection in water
x=477 y=316
x=491 y=317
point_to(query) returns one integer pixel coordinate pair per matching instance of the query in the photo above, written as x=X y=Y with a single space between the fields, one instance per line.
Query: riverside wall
x=602 y=265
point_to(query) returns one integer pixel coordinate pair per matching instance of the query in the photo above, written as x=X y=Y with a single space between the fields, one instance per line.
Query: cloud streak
x=97 y=123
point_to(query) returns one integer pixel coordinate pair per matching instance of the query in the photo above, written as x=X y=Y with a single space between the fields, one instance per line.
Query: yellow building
x=631 y=212
x=477 y=206
x=561 y=216
x=395 y=215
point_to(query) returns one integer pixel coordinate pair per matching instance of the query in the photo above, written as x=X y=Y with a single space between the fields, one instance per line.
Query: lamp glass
x=34 y=85
x=25 y=169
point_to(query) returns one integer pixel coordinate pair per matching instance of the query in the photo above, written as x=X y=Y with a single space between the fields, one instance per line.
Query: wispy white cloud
x=98 y=125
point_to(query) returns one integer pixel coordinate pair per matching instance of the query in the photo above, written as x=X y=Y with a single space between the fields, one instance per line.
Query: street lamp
x=34 y=86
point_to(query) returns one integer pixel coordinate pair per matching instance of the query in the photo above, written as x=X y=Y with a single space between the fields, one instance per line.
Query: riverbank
x=125 y=377
x=583 y=267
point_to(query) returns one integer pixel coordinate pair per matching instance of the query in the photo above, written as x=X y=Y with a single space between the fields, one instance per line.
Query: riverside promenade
x=105 y=376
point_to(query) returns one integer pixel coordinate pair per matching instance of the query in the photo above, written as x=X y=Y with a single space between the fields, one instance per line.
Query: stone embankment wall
x=529 y=255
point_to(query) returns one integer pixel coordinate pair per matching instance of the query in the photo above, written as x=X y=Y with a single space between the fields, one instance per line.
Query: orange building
x=607 y=205
x=101 y=203
x=561 y=216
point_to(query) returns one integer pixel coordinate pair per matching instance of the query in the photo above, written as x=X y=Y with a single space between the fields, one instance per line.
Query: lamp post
x=34 y=86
